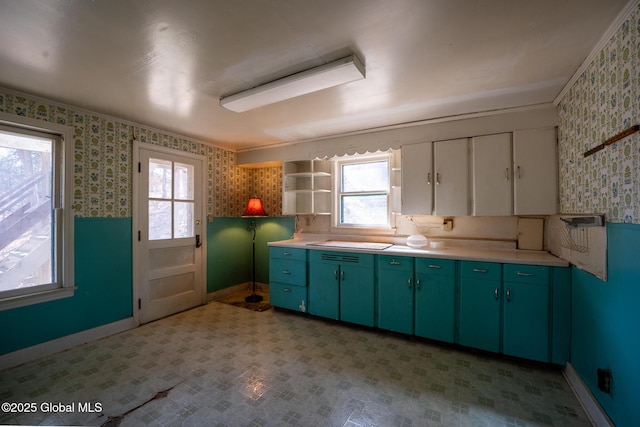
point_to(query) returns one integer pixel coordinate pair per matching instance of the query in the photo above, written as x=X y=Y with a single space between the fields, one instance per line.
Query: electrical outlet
x=604 y=380
x=447 y=225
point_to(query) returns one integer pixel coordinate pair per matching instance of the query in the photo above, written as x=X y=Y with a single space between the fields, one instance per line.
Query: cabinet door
x=526 y=321
x=492 y=175
x=535 y=159
x=357 y=291
x=395 y=294
x=451 y=167
x=480 y=296
x=324 y=290
x=435 y=299
x=417 y=179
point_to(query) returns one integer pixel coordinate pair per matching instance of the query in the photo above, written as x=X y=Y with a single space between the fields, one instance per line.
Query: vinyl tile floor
x=220 y=365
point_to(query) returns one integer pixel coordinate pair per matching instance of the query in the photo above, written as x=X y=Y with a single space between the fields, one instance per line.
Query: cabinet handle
x=286 y=253
x=508 y=295
x=394 y=262
x=409 y=283
x=286 y=272
x=518 y=172
x=520 y=273
x=480 y=270
x=438 y=178
x=341 y=274
x=496 y=293
x=335 y=274
x=418 y=284
x=287 y=290
x=506 y=174
x=429 y=178
x=434 y=266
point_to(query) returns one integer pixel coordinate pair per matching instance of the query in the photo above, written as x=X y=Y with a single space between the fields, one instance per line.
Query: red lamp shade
x=254 y=208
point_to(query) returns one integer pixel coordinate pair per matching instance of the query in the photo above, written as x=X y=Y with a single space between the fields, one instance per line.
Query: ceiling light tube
x=335 y=73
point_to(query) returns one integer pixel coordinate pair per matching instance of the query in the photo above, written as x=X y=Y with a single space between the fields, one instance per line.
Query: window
x=363 y=186
x=35 y=247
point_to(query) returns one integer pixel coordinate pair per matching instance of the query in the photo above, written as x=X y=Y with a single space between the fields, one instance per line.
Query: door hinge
x=139 y=167
x=139 y=235
x=139 y=303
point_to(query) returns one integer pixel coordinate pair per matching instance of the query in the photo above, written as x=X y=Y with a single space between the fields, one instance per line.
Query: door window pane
x=159 y=219
x=26 y=211
x=183 y=220
x=160 y=179
x=183 y=184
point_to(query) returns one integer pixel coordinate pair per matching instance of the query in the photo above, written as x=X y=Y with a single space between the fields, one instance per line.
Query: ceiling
x=166 y=63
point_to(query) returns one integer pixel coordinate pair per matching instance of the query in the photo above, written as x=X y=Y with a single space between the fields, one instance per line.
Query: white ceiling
x=166 y=63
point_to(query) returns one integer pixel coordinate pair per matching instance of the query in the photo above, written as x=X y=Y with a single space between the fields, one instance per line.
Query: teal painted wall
x=606 y=325
x=104 y=294
x=229 y=249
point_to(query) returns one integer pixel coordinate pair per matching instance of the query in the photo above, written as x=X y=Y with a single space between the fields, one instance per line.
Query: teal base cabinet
x=480 y=302
x=396 y=293
x=526 y=320
x=342 y=286
x=288 y=278
x=435 y=299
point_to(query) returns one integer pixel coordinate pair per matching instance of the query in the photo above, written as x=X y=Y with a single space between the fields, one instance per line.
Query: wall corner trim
x=594 y=411
x=29 y=354
x=622 y=16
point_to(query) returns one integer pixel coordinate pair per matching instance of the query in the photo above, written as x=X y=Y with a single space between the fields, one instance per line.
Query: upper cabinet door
x=492 y=175
x=417 y=179
x=451 y=167
x=535 y=160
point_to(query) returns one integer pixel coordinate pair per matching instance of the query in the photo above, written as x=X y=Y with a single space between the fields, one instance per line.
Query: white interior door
x=168 y=268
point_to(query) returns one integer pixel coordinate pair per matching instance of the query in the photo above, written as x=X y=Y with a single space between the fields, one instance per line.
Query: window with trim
x=35 y=235
x=363 y=191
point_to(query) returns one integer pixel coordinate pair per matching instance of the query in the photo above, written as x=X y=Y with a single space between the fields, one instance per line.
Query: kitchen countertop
x=507 y=256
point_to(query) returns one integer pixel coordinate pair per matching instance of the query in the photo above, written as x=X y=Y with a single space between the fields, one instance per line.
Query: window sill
x=36 y=297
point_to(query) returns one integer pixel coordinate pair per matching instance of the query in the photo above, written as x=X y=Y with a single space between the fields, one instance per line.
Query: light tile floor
x=228 y=366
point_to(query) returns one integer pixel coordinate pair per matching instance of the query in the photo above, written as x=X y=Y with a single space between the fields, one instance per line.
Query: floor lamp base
x=253 y=298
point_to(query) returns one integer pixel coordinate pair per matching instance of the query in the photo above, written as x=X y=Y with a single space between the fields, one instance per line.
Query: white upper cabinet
x=417 y=179
x=492 y=172
x=451 y=168
x=535 y=160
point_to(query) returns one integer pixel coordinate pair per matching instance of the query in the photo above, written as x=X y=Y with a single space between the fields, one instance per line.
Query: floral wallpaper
x=103 y=162
x=603 y=102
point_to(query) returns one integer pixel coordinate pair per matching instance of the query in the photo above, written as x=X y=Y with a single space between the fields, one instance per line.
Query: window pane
x=183 y=184
x=159 y=220
x=183 y=225
x=26 y=211
x=370 y=209
x=365 y=176
x=160 y=179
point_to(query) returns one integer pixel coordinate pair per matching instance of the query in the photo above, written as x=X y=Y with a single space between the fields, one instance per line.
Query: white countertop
x=507 y=256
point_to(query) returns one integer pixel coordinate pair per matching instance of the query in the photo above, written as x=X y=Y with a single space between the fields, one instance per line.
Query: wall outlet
x=447 y=225
x=604 y=380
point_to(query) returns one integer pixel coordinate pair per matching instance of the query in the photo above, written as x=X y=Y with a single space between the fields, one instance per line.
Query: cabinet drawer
x=342 y=258
x=288 y=271
x=395 y=263
x=537 y=274
x=287 y=253
x=288 y=296
x=481 y=270
x=435 y=266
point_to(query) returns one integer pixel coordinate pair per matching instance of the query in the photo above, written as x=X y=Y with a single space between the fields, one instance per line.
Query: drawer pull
x=434 y=266
x=394 y=262
x=286 y=253
x=480 y=270
x=520 y=273
x=286 y=272
x=286 y=290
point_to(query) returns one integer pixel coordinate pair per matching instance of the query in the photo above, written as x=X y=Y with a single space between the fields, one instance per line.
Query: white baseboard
x=594 y=411
x=48 y=348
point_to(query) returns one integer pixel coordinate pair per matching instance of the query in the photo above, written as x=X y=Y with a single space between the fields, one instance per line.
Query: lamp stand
x=253 y=297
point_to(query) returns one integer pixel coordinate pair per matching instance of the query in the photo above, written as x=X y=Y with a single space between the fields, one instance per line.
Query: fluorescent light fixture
x=335 y=73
